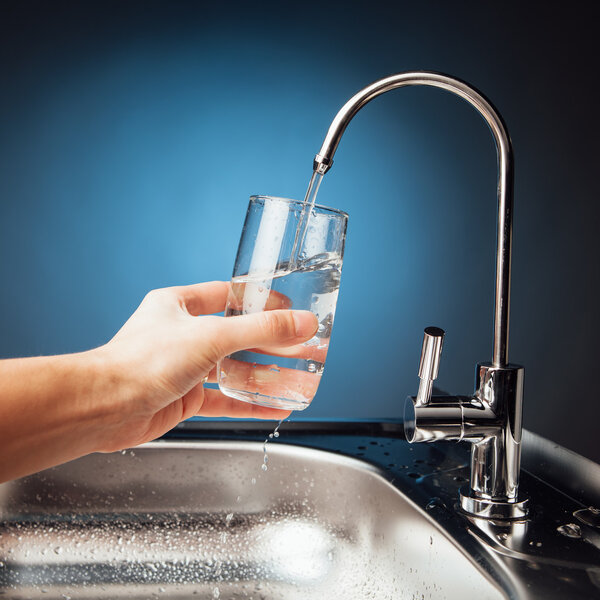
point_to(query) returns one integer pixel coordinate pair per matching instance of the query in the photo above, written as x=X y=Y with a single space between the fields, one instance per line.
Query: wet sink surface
x=202 y=520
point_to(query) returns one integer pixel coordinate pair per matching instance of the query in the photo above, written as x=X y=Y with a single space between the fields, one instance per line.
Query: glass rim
x=336 y=211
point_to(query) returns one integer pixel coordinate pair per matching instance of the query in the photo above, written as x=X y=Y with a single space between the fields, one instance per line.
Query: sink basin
x=201 y=519
x=345 y=510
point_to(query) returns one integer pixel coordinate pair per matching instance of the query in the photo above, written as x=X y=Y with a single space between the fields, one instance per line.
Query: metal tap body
x=491 y=418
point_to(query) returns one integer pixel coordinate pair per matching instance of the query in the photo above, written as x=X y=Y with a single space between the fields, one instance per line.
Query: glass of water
x=290 y=256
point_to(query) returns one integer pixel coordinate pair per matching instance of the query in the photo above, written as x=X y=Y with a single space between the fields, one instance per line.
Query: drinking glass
x=290 y=256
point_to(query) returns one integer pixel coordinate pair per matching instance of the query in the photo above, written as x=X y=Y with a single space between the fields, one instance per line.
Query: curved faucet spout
x=324 y=160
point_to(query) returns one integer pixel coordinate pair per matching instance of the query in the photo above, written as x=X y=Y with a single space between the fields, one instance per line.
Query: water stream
x=309 y=202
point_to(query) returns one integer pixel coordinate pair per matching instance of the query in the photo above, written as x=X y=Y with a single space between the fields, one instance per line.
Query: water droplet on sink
x=589 y=516
x=435 y=503
x=216 y=593
x=58 y=550
x=570 y=530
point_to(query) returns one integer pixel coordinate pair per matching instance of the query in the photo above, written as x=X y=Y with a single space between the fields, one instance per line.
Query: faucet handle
x=429 y=366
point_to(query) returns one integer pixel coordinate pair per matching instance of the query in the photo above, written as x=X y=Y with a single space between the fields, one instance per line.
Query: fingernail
x=306 y=323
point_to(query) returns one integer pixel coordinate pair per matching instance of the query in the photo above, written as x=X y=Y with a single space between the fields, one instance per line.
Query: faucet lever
x=429 y=366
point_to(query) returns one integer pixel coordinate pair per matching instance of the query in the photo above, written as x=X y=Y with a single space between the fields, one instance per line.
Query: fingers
x=212 y=376
x=269 y=380
x=307 y=351
x=269 y=328
x=203 y=298
x=217 y=404
x=211 y=297
x=252 y=297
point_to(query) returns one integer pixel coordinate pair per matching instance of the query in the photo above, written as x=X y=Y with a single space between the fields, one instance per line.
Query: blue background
x=133 y=133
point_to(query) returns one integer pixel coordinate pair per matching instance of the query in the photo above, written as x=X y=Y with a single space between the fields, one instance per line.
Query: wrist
x=112 y=394
x=57 y=408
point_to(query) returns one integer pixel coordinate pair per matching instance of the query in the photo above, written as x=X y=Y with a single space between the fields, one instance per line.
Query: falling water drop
x=275 y=434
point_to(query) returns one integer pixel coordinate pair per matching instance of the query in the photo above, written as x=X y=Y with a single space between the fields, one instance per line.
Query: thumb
x=268 y=328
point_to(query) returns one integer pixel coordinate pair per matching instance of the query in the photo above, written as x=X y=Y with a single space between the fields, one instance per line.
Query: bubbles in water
x=570 y=530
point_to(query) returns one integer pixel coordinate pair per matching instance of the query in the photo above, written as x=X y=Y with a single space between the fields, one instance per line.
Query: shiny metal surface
x=440 y=419
x=324 y=160
x=184 y=520
x=493 y=509
x=491 y=419
x=202 y=520
x=495 y=460
x=429 y=365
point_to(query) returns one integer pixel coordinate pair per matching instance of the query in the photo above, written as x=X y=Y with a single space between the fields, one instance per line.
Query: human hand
x=171 y=343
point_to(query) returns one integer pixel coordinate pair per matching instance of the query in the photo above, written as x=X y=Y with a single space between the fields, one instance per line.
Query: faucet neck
x=324 y=160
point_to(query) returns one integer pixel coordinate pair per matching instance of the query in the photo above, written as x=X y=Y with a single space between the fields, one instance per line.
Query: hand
x=142 y=383
x=165 y=350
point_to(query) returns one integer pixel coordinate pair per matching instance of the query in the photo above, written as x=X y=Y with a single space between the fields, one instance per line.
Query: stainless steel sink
x=345 y=510
x=203 y=520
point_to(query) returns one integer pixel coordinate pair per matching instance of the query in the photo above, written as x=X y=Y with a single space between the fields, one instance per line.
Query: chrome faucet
x=491 y=418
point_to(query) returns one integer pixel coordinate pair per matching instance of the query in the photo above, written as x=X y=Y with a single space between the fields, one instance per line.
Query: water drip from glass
x=275 y=434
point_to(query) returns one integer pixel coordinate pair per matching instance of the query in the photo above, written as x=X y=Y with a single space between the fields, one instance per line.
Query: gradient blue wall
x=132 y=134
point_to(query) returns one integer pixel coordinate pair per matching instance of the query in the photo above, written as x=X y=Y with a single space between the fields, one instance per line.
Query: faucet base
x=490 y=509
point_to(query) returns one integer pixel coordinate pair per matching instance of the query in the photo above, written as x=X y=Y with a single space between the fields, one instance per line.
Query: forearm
x=54 y=409
x=139 y=385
